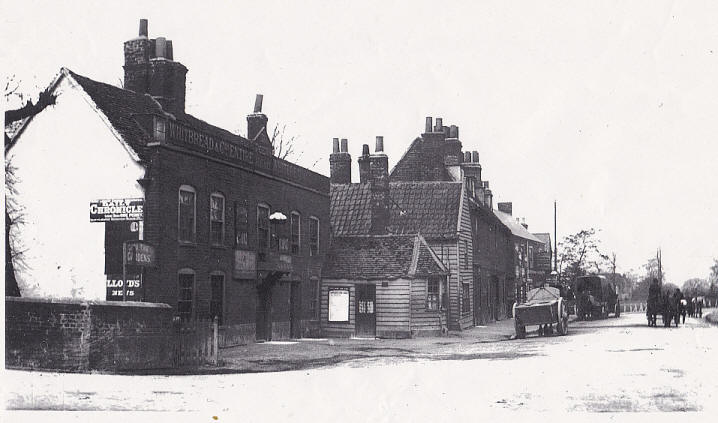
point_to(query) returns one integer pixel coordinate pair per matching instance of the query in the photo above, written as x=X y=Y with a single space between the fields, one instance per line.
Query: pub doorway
x=263 y=322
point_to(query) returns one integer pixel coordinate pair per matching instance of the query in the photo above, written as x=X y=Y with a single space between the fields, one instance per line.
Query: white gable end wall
x=66 y=157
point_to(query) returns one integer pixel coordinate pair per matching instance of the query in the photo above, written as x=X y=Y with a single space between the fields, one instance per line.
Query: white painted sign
x=339 y=304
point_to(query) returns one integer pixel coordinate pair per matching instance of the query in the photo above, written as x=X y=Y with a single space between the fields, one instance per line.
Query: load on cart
x=544 y=307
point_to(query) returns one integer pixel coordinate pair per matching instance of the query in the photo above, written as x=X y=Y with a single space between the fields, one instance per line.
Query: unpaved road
x=612 y=365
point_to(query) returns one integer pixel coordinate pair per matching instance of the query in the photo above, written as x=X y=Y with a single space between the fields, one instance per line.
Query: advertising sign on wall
x=140 y=253
x=115 y=284
x=245 y=264
x=339 y=304
x=117 y=209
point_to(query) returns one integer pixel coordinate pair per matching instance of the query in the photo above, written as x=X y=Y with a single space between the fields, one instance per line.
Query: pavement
x=311 y=353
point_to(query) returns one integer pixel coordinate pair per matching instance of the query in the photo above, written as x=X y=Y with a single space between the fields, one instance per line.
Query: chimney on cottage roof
x=340 y=163
x=150 y=69
x=471 y=167
x=379 y=179
x=523 y=223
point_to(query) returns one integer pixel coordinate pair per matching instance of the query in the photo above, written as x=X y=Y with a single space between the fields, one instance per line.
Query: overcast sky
x=607 y=107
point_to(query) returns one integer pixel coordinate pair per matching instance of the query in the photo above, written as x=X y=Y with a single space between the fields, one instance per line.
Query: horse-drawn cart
x=544 y=307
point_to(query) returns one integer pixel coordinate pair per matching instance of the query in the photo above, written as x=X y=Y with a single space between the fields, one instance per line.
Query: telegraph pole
x=660 y=267
x=555 y=240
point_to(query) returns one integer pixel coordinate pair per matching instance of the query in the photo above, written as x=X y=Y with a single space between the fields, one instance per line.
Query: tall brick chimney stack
x=150 y=69
x=257 y=128
x=364 y=167
x=379 y=178
x=340 y=163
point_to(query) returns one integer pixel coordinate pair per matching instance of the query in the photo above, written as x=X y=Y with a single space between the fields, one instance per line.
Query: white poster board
x=339 y=304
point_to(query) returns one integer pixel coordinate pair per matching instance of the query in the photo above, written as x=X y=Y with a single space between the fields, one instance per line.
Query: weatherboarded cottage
x=382 y=285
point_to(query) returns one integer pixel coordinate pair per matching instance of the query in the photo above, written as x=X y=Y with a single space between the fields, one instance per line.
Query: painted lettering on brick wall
x=115 y=285
x=209 y=144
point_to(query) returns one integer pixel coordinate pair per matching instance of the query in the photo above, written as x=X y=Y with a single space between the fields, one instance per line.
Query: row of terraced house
x=268 y=248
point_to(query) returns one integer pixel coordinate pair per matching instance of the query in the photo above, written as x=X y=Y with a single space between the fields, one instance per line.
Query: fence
x=640 y=306
x=197 y=343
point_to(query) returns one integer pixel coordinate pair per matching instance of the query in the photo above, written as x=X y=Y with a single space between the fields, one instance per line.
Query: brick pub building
x=208 y=197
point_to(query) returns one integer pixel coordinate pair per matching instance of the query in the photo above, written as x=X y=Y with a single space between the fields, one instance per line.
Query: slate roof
x=515 y=227
x=380 y=257
x=428 y=208
x=544 y=237
x=121 y=106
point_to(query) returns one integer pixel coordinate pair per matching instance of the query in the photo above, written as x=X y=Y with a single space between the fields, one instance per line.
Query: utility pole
x=555 y=241
x=660 y=267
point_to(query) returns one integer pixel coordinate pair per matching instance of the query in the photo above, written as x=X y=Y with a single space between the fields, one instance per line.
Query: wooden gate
x=197 y=343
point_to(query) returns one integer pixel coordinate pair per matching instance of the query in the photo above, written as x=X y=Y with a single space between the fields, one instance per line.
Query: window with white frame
x=185 y=295
x=240 y=225
x=313 y=236
x=433 y=293
x=263 y=234
x=296 y=231
x=216 y=219
x=187 y=214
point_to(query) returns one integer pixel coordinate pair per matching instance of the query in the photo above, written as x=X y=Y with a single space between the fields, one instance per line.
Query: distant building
x=206 y=202
x=543 y=258
x=525 y=246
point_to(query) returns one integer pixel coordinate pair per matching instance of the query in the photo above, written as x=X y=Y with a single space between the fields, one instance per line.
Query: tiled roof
x=420 y=163
x=428 y=208
x=350 y=210
x=381 y=257
x=516 y=228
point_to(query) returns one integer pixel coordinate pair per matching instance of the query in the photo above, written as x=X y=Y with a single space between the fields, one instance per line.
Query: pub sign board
x=115 y=284
x=140 y=253
x=118 y=209
x=245 y=264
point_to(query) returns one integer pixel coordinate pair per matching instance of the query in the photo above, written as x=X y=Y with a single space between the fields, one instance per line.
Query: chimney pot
x=143 y=27
x=160 y=47
x=335 y=145
x=439 y=125
x=453 y=131
x=365 y=150
x=467 y=157
x=258 y=103
x=475 y=156
x=345 y=146
x=170 y=55
x=379 y=144
x=429 y=123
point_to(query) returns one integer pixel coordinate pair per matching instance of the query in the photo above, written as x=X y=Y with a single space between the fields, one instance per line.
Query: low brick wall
x=74 y=335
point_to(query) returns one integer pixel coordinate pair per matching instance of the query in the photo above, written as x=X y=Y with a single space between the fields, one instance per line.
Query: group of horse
x=671 y=306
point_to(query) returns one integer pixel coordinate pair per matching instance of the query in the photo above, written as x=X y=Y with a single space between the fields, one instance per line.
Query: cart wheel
x=562 y=326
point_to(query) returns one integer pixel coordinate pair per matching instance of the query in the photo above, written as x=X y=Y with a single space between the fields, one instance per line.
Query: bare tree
x=14 y=215
x=284 y=145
